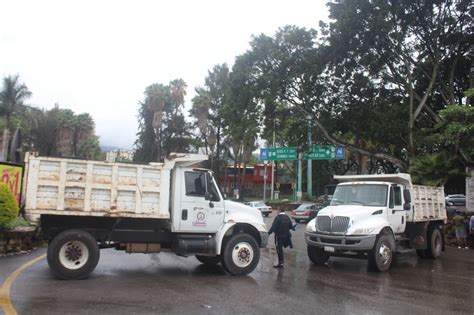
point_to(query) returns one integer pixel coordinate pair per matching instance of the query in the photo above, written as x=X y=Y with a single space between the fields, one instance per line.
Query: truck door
x=396 y=214
x=202 y=207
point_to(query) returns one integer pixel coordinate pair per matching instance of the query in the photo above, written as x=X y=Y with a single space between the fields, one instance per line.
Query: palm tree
x=155 y=101
x=178 y=92
x=65 y=133
x=12 y=97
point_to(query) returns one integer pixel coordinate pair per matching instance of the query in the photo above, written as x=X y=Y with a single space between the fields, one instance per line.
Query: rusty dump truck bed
x=94 y=188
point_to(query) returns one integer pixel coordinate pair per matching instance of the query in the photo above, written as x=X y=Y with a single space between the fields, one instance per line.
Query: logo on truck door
x=200 y=216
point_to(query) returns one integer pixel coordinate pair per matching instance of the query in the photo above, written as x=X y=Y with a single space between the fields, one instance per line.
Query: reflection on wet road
x=166 y=283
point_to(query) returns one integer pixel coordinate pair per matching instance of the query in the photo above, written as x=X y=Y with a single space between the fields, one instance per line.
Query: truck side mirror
x=406 y=196
x=208 y=196
x=406 y=206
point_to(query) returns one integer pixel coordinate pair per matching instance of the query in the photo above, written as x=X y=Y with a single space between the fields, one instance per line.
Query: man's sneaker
x=459 y=247
x=466 y=247
x=278 y=266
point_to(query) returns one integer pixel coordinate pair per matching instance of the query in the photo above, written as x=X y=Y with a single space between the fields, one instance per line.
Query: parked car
x=305 y=212
x=455 y=200
x=260 y=205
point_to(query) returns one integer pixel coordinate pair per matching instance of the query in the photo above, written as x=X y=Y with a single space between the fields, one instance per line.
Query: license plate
x=329 y=249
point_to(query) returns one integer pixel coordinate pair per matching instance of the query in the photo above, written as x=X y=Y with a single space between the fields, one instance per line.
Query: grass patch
x=17 y=222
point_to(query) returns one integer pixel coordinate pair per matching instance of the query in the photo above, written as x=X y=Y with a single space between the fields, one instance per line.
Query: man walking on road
x=281 y=226
x=460 y=228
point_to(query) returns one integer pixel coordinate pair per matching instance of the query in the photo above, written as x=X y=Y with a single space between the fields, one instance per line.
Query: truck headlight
x=310 y=226
x=363 y=231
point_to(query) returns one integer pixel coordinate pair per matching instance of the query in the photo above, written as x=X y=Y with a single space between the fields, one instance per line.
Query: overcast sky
x=99 y=56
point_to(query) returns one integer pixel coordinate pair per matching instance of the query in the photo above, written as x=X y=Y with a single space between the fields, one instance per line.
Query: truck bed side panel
x=91 y=188
x=428 y=203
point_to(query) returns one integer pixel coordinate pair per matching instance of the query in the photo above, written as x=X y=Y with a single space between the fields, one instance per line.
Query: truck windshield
x=361 y=194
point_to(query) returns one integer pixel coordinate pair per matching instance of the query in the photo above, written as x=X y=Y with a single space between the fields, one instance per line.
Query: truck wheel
x=297 y=220
x=435 y=244
x=209 y=260
x=73 y=254
x=317 y=255
x=380 y=258
x=240 y=255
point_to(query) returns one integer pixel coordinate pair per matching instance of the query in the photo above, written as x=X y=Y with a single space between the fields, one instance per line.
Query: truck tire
x=381 y=256
x=317 y=255
x=73 y=254
x=208 y=260
x=240 y=254
x=435 y=244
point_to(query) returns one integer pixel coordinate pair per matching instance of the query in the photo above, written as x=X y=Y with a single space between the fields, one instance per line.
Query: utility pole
x=265 y=181
x=310 y=162
x=273 y=170
x=299 y=190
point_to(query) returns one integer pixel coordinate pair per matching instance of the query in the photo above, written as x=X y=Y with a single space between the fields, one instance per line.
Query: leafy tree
x=43 y=131
x=411 y=55
x=200 y=110
x=434 y=169
x=89 y=148
x=85 y=133
x=241 y=114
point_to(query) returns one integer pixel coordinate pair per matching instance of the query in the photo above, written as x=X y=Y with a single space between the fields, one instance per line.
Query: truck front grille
x=335 y=225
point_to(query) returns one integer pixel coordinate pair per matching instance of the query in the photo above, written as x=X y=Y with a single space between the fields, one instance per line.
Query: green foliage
x=434 y=169
x=12 y=95
x=17 y=222
x=61 y=132
x=90 y=148
x=8 y=206
x=122 y=159
x=162 y=126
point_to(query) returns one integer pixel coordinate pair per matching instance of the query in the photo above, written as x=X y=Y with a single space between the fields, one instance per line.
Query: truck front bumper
x=341 y=242
x=264 y=239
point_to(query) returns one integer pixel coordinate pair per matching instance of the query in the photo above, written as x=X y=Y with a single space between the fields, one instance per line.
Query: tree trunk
x=3 y=154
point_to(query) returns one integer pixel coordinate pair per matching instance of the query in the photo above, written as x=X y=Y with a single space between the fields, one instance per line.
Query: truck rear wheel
x=435 y=244
x=73 y=254
x=317 y=255
x=240 y=254
x=208 y=260
x=381 y=256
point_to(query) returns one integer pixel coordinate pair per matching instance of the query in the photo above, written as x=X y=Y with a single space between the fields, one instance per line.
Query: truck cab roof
x=400 y=178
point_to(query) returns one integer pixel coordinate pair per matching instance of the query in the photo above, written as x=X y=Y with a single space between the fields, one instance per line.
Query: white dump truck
x=87 y=205
x=375 y=216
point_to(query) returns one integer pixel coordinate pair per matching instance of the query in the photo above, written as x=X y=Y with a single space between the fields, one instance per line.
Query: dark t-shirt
x=459 y=222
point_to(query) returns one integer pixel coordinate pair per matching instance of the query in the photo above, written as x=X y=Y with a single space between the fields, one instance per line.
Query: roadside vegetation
x=391 y=81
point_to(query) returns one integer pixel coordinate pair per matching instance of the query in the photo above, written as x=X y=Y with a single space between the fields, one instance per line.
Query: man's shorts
x=460 y=234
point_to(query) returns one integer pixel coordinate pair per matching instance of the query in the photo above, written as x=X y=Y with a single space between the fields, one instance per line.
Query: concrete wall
x=470 y=190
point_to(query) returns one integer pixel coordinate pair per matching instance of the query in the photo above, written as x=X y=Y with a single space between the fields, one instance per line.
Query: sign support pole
x=310 y=162
x=273 y=171
x=299 y=192
x=265 y=182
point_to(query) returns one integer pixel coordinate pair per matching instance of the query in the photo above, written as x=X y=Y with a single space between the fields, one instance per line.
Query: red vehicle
x=305 y=212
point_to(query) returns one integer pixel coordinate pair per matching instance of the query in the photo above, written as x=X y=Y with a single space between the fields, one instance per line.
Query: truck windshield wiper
x=356 y=201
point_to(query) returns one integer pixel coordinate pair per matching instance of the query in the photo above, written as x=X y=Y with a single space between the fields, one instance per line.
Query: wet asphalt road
x=166 y=283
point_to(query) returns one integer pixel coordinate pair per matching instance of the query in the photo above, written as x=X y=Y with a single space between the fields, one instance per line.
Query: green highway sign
x=325 y=152
x=279 y=154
